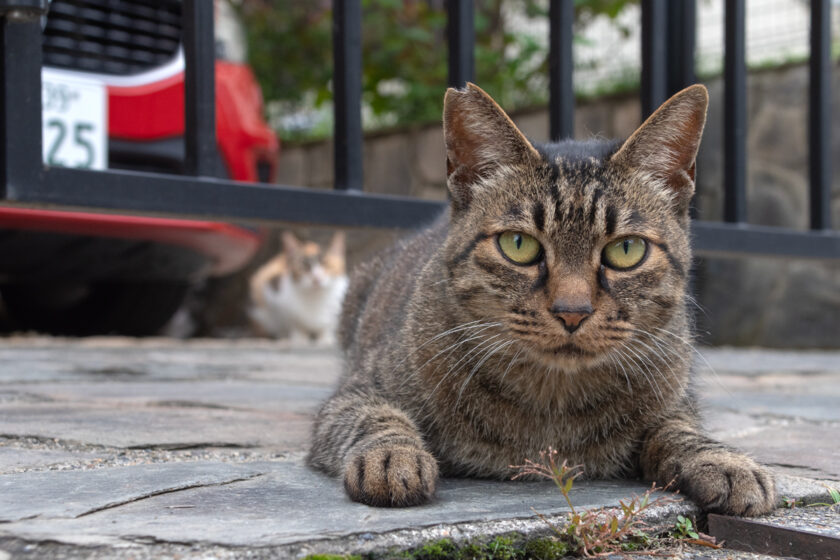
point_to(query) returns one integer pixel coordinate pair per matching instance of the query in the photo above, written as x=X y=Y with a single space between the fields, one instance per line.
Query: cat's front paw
x=391 y=476
x=730 y=484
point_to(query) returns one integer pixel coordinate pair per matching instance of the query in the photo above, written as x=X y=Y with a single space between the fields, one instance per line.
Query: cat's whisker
x=464 y=329
x=494 y=349
x=453 y=369
x=616 y=362
x=662 y=344
x=649 y=376
x=675 y=373
x=692 y=300
x=510 y=364
x=465 y=359
x=659 y=353
x=690 y=345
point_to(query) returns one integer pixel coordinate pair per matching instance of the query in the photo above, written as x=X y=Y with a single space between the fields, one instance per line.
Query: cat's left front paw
x=730 y=483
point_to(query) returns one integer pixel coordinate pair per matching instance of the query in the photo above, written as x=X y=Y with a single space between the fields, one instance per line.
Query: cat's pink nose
x=571 y=316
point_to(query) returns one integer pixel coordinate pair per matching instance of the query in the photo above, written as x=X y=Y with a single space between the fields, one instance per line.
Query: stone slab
x=39 y=359
x=15 y=458
x=77 y=493
x=163 y=427
x=760 y=361
x=291 y=503
x=825 y=407
x=231 y=394
x=154 y=395
x=805 y=449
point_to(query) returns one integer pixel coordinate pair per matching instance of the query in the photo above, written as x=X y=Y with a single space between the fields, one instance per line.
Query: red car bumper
x=227 y=247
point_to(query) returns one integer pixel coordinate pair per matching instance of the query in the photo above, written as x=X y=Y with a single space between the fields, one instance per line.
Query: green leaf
x=614 y=525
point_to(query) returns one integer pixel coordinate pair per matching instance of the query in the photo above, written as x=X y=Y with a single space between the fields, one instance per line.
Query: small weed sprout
x=833 y=493
x=684 y=529
x=593 y=532
x=790 y=503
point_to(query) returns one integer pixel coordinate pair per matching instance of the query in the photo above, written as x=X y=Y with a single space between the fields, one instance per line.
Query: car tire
x=126 y=308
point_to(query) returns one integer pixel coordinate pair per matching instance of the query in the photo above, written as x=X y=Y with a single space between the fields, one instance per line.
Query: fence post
x=654 y=61
x=460 y=30
x=199 y=89
x=20 y=95
x=561 y=101
x=682 y=38
x=735 y=114
x=819 y=116
x=347 y=103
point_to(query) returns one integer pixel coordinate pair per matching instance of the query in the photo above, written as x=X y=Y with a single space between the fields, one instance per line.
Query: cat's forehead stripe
x=593 y=206
x=610 y=219
x=538 y=213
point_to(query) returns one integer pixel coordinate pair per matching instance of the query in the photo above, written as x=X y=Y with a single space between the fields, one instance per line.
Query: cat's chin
x=568 y=358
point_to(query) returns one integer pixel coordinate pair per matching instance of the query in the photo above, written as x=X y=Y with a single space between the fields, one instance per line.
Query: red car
x=113 y=96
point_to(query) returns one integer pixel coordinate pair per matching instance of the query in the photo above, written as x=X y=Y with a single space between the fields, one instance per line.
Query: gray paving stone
x=78 y=493
x=234 y=394
x=812 y=407
x=759 y=361
x=803 y=449
x=123 y=425
x=291 y=503
x=15 y=458
x=30 y=360
x=154 y=395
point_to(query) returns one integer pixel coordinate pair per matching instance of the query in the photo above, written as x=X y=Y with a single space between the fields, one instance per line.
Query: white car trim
x=160 y=73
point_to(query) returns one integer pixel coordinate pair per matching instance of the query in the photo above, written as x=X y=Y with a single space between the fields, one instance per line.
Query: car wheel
x=127 y=308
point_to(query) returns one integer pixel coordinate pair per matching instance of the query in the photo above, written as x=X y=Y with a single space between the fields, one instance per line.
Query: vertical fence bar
x=461 y=38
x=199 y=89
x=735 y=114
x=20 y=97
x=682 y=39
x=347 y=84
x=654 y=61
x=561 y=100
x=819 y=115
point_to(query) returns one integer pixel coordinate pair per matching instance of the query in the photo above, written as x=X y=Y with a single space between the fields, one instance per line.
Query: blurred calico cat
x=298 y=293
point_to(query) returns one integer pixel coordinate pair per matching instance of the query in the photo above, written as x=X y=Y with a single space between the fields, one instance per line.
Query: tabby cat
x=547 y=307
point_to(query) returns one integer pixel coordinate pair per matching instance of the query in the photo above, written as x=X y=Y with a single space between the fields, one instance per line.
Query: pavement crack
x=167 y=491
x=194 y=445
x=793 y=466
x=190 y=404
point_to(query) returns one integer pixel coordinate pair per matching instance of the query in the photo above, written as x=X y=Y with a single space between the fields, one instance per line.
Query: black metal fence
x=668 y=37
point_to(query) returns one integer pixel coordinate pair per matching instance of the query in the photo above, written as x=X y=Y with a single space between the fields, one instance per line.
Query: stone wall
x=767 y=302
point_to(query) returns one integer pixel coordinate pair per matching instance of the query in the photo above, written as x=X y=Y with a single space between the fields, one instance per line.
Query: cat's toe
x=731 y=484
x=391 y=477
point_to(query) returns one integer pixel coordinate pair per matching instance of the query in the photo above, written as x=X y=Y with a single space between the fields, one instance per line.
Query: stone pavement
x=148 y=448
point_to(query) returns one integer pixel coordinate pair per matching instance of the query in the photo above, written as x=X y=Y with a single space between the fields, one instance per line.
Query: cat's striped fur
x=458 y=362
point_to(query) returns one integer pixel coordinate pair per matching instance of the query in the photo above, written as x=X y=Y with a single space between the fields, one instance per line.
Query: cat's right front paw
x=396 y=476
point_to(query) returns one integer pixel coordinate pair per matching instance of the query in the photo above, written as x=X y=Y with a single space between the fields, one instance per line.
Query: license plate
x=74 y=121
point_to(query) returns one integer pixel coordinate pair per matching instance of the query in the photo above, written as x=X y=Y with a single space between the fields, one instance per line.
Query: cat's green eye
x=519 y=247
x=625 y=253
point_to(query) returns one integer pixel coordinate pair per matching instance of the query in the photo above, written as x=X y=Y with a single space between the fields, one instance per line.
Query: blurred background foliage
x=404 y=58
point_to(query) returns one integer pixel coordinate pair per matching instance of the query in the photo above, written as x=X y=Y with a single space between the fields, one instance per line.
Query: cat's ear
x=290 y=242
x=665 y=146
x=336 y=247
x=480 y=138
